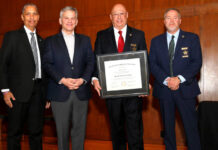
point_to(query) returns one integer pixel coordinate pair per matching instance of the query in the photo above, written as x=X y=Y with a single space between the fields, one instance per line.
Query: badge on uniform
x=185 y=52
x=133 y=47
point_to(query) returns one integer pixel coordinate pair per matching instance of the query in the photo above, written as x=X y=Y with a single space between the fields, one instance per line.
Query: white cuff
x=5 y=90
x=182 y=79
x=94 y=78
x=165 y=81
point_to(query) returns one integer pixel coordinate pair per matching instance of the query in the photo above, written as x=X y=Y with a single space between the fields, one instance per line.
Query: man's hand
x=68 y=82
x=142 y=96
x=47 y=105
x=8 y=96
x=72 y=84
x=173 y=83
x=77 y=83
x=97 y=86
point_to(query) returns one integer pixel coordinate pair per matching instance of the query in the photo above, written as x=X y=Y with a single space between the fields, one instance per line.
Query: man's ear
x=60 y=22
x=110 y=16
x=22 y=17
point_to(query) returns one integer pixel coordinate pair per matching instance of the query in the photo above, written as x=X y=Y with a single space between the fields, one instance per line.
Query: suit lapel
x=27 y=44
x=76 y=49
x=40 y=44
x=63 y=45
x=179 y=44
x=128 y=41
x=112 y=40
x=165 y=48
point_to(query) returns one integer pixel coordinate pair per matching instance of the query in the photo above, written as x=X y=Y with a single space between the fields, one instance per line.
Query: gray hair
x=27 y=5
x=175 y=9
x=68 y=8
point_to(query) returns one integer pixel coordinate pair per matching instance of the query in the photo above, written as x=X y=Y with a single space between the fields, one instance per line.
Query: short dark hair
x=169 y=9
x=29 y=4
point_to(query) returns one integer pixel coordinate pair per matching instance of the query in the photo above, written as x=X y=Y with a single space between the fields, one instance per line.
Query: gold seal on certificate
x=123 y=74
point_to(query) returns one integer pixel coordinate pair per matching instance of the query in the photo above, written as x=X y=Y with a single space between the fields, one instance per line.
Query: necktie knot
x=120 y=32
x=32 y=34
x=172 y=37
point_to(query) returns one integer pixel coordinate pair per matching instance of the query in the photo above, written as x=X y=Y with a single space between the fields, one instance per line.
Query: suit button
x=33 y=79
x=72 y=67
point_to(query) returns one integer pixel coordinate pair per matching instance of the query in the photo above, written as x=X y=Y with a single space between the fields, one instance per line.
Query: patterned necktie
x=35 y=54
x=120 y=42
x=171 y=54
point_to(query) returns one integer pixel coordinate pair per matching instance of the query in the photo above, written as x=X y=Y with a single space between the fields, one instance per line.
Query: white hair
x=68 y=8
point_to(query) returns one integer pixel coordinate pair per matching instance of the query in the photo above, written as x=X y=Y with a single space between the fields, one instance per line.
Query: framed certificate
x=123 y=74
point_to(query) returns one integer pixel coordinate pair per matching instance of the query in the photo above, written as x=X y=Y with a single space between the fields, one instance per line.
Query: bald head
x=118 y=7
x=119 y=16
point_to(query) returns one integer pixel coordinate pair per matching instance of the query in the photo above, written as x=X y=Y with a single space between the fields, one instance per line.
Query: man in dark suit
x=175 y=60
x=21 y=80
x=125 y=110
x=69 y=62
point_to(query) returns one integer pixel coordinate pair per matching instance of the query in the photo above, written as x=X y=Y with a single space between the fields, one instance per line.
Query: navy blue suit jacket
x=187 y=62
x=57 y=64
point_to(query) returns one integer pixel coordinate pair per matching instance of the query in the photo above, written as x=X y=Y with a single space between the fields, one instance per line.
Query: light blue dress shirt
x=169 y=37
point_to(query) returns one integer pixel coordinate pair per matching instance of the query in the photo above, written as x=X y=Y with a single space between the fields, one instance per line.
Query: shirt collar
x=123 y=30
x=28 y=30
x=176 y=35
x=67 y=35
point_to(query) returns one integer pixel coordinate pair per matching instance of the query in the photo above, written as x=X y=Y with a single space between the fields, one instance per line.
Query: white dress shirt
x=117 y=35
x=70 y=43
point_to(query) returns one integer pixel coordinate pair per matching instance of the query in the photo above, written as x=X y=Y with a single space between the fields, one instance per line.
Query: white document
x=123 y=74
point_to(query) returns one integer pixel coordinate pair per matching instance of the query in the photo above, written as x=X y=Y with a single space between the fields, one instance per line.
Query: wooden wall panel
x=164 y=4
x=152 y=28
x=98 y=122
x=200 y=17
x=209 y=40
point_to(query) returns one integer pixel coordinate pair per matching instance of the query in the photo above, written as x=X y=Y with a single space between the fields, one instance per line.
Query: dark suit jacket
x=58 y=65
x=187 y=62
x=17 y=66
x=105 y=42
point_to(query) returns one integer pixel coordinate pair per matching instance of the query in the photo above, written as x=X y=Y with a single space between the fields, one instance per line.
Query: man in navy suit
x=125 y=113
x=175 y=60
x=69 y=62
x=22 y=80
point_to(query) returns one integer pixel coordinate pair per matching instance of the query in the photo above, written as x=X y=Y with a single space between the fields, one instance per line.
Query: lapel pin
x=130 y=34
x=183 y=36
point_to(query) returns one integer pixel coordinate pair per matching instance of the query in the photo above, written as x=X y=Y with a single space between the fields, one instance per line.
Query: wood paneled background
x=198 y=16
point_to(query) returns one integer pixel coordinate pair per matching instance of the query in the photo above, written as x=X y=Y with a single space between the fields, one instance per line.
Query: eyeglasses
x=118 y=14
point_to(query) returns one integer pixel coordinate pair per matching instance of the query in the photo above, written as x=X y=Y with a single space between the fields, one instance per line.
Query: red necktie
x=120 y=42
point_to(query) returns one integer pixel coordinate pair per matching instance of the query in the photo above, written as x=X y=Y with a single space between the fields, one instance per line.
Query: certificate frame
x=140 y=55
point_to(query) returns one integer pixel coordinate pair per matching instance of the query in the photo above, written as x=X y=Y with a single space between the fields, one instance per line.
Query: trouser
x=126 y=113
x=71 y=113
